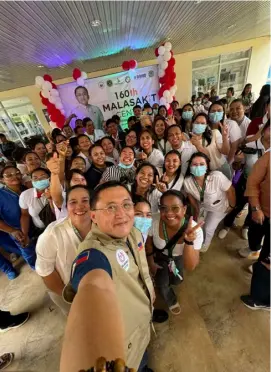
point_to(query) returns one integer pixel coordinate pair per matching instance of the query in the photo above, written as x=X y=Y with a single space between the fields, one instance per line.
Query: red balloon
x=76 y=73
x=167 y=87
x=47 y=77
x=170 y=111
x=126 y=65
x=54 y=86
x=132 y=64
x=156 y=52
x=169 y=70
x=172 y=62
x=45 y=101
x=51 y=108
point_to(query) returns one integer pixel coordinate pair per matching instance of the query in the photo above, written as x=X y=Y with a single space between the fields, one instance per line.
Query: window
x=18 y=120
x=221 y=72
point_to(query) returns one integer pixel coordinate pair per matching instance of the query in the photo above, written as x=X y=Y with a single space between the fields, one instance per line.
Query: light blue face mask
x=198 y=170
x=187 y=115
x=199 y=128
x=143 y=224
x=124 y=166
x=215 y=117
x=41 y=184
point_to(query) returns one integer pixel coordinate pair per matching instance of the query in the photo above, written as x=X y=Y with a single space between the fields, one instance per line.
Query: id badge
x=201 y=214
x=173 y=269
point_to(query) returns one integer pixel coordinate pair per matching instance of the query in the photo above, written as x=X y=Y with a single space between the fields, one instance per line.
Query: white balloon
x=166 y=94
x=163 y=101
x=172 y=91
x=160 y=59
x=169 y=99
x=163 y=65
x=161 y=50
x=84 y=75
x=167 y=106
x=46 y=85
x=161 y=73
x=54 y=93
x=168 y=46
x=52 y=99
x=39 y=81
x=80 y=81
x=167 y=56
x=59 y=105
x=45 y=93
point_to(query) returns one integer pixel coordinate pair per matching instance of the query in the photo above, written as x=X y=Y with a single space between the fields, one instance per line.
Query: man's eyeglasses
x=113 y=208
x=174 y=208
x=9 y=175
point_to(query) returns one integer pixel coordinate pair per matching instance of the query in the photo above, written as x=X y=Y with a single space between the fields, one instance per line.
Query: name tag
x=123 y=259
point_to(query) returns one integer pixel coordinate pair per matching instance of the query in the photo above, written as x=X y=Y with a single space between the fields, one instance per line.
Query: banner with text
x=116 y=93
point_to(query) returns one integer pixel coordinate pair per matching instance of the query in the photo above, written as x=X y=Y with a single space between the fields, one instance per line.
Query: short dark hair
x=3 y=135
x=110 y=121
x=30 y=152
x=131 y=118
x=109 y=138
x=19 y=153
x=72 y=172
x=231 y=89
x=80 y=87
x=7 y=167
x=96 y=144
x=74 y=188
x=85 y=120
x=128 y=147
x=83 y=135
x=201 y=155
x=147 y=105
x=176 y=193
x=137 y=106
x=116 y=118
x=174 y=101
x=104 y=186
x=41 y=169
x=79 y=157
x=34 y=143
x=140 y=199
x=55 y=132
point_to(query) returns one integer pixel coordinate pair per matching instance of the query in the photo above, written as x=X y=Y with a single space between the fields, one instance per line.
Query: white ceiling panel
x=59 y=36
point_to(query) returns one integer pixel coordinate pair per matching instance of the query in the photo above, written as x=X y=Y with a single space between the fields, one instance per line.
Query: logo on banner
x=151 y=73
x=109 y=83
x=101 y=84
x=127 y=79
x=123 y=259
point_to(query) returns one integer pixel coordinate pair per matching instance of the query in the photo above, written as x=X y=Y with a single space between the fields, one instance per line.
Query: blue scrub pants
x=9 y=244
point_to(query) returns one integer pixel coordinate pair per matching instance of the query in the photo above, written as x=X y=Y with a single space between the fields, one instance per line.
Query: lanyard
x=167 y=239
x=77 y=233
x=163 y=149
x=200 y=190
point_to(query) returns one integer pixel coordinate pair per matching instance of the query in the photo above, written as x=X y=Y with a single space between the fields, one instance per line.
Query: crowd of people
x=140 y=201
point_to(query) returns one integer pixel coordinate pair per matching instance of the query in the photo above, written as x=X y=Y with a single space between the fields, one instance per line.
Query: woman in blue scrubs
x=11 y=237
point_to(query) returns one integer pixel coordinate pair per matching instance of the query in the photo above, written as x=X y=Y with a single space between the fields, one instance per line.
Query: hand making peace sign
x=161 y=186
x=190 y=233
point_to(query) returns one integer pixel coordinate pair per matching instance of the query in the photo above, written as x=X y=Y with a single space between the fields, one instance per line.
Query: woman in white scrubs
x=54 y=260
x=210 y=193
x=149 y=152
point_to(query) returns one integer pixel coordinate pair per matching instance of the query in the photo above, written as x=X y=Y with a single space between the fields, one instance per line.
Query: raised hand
x=161 y=186
x=62 y=148
x=224 y=130
x=165 y=178
x=142 y=155
x=53 y=164
x=190 y=233
x=195 y=140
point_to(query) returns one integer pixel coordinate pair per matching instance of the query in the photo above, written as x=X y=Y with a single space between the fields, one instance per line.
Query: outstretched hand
x=190 y=233
x=53 y=164
x=161 y=186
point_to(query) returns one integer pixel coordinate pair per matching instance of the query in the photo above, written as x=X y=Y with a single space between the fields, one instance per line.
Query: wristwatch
x=255 y=209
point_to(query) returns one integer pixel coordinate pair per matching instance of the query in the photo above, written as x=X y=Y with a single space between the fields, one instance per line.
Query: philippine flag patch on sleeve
x=82 y=257
x=140 y=246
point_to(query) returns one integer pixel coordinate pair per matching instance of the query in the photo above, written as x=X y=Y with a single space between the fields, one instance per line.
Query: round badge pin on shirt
x=123 y=259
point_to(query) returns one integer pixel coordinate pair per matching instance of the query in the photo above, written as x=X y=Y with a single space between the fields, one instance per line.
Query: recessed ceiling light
x=198 y=1
x=231 y=26
x=96 y=23
x=40 y=66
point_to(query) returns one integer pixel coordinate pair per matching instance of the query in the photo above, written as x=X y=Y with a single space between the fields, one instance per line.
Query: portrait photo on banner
x=108 y=95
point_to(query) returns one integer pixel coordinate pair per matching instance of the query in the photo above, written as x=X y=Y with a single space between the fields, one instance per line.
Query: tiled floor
x=214 y=332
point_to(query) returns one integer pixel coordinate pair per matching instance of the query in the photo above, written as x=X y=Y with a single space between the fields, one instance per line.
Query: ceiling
x=59 y=36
